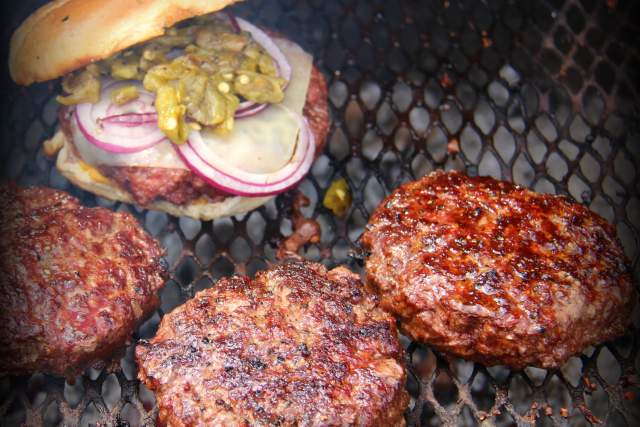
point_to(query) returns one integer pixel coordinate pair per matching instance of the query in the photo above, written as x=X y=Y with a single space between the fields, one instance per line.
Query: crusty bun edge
x=65 y=35
x=69 y=166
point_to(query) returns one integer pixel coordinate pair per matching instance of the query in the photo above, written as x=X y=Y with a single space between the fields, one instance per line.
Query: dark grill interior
x=542 y=93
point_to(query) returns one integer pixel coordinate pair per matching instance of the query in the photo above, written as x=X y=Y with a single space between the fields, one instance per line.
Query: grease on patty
x=299 y=345
x=74 y=281
x=489 y=271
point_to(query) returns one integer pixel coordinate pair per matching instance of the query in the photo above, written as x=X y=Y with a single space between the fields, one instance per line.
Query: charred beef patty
x=299 y=345
x=74 y=281
x=181 y=186
x=492 y=272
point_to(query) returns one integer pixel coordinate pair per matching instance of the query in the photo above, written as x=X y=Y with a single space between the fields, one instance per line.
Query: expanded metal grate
x=542 y=93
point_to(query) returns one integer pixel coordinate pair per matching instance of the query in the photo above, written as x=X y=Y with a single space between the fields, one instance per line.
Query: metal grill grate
x=542 y=93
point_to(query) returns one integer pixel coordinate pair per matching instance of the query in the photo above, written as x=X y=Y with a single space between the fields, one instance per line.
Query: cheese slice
x=261 y=143
x=93 y=173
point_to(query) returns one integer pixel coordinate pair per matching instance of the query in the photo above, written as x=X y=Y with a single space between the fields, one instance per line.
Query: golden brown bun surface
x=65 y=35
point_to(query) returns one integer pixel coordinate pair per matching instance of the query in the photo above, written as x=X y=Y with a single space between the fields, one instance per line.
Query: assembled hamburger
x=174 y=105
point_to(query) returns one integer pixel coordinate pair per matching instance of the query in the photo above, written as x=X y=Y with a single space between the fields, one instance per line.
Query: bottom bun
x=69 y=166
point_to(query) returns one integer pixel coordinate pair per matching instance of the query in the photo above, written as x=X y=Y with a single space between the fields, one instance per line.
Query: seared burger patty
x=299 y=345
x=181 y=186
x=492 y=272
x=74 y=281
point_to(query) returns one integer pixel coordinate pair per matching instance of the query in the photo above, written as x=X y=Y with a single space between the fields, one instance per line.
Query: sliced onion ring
x=233 y=180
x=144 y=103
x=131 y=119
x=233 y=21
x=117 y=135
x=264 y=40
x=248 y=108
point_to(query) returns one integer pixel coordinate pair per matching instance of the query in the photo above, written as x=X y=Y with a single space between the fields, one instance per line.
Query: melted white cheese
x=262 y=143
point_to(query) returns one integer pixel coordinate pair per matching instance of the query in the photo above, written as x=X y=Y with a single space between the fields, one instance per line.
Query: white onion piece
x=248 y=108
x=112 y=135
x=218 y=173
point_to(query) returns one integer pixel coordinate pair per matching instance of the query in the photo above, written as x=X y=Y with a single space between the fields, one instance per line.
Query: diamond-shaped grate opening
x=542 y=93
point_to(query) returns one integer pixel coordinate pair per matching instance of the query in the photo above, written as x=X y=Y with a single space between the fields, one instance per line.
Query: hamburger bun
x=61 y=36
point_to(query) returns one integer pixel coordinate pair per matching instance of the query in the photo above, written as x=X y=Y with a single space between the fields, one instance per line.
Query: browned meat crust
x=492 y=272
x=296 y=346
x=181 y=186
x=316 y=109
x=74 y=281
x=178 y=186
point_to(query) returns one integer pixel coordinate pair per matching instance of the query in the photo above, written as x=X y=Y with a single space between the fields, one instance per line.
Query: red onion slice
x=233 y=21
x=132 y=127
x=118 y=132
x=248 y=108
x=144 y=103
x=284 y=69
x=128 y=131
x=233 y=180
x=131 y=119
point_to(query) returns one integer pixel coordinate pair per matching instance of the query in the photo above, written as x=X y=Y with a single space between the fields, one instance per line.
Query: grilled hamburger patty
x=181 y=186
x=492 y=272
x=74 y=281
x=299 y=345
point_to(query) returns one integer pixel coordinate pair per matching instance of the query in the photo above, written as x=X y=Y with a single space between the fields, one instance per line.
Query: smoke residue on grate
x=539 y=93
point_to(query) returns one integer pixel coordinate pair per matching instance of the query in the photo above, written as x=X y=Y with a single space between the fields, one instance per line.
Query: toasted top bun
x=65 y=35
